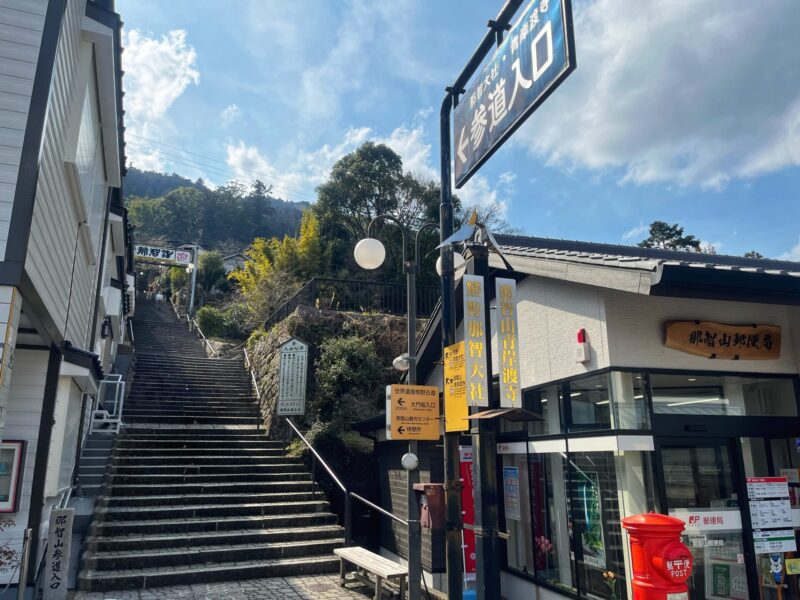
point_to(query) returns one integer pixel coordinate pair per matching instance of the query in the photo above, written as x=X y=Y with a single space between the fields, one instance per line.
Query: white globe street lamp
x=459 y=266
x=369 y=253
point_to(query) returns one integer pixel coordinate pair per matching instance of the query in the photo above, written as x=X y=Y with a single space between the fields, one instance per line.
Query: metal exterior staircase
x=194 y=491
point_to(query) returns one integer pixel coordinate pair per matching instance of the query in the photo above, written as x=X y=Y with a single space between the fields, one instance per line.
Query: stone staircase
x=194 y=492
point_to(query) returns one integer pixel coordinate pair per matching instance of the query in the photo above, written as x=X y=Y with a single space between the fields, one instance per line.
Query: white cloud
x=311 y=168
x=793 y=254
x=157 y=72
x=230 y=114
x=636 y=233
x=696 y=92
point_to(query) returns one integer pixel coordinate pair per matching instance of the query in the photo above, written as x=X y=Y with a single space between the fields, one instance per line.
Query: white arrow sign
x=462 y=146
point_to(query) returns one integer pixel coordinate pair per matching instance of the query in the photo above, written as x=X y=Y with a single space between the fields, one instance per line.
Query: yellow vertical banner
x=455 y=389
x=508 y=343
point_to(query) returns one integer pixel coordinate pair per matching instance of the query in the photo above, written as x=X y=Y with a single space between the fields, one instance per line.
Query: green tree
x=670 y=237
x=753 y=254
x=211 y=271
x=178 y=278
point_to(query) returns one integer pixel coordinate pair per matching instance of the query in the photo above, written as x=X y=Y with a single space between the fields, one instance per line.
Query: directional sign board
x=455 y=388
x=535 y=57
x=412 y=412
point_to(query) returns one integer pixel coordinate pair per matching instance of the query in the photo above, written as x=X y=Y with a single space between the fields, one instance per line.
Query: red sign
x=468 y=512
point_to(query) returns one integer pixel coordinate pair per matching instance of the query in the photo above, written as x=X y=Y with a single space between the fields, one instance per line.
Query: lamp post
x=370 y=254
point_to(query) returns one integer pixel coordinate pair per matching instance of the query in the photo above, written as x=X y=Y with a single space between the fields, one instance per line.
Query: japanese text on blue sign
x=533 y=60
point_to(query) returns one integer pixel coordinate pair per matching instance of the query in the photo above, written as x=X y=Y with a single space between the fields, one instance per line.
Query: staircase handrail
x=292 y=303
x=193 y=324
x=348 y=495
x=249 y=364
x=175 y=308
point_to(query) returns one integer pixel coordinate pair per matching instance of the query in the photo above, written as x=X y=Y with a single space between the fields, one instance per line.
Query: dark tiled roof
x=634 y=257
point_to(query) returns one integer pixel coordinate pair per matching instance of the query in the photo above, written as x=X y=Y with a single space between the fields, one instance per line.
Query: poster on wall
x=592 y=541
x=511 y=493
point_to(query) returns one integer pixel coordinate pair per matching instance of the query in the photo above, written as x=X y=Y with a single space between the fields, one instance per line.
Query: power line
x=206 y=157
x=225 y=172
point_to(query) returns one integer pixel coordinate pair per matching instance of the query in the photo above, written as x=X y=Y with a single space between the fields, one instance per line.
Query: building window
x=551 y=524
x=723 y=395
x=516 y=503
x=614 y=400
x=545 y=402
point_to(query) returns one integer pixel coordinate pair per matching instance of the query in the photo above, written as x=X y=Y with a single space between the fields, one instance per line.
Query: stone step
x=156 y=577
x=192 y=442
x=287 y=481
x=188 y=429
x=187 y=469
x=121 y=461
x=188 y=411
x=155 y=418
x=303 y=491
x=219 y=406
x=140 y=513
x=243 y=536
x=211 y=450
x=217 y=524
x=199 y=555
x=276 y=472
x=207 y=435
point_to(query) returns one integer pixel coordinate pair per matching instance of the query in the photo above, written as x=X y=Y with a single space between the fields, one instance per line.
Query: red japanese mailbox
x=661 y=562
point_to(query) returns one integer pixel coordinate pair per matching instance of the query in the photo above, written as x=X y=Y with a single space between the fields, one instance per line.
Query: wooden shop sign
x=719 y=340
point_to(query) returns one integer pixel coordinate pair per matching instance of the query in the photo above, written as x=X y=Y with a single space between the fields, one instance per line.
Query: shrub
x=349 y=375
x=211 y=321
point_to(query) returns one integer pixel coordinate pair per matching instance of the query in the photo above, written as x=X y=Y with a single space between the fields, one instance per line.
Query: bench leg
x=402 y=587
x=341 y=571
x=378 y=588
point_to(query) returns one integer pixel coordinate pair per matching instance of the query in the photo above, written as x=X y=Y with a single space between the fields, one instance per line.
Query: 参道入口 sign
x=536 y=56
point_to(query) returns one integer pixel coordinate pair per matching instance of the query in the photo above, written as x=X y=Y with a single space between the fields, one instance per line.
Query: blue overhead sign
x=534 y=58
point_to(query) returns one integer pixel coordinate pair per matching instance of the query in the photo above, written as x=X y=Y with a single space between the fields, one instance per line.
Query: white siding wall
x=21 y=24
x=54 y=231
x=636 y=331
x=550 y=313
x=24 y=412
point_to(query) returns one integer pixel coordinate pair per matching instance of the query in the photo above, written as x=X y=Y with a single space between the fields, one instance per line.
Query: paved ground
x=319 y=587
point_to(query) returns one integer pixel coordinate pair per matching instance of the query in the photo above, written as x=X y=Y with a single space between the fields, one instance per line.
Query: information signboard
x=508 y=343
x=478 y=380
x=770 y=509
x=292 y=378
x=536 y=56
x=413 y=412
x=455 y=389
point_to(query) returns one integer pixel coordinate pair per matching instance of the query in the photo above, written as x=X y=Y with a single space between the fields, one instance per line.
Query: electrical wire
x=212 y=159
x=225 y=172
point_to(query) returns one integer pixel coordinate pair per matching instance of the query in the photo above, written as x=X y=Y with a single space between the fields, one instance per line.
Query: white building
x=66 y=278
x=641 y=419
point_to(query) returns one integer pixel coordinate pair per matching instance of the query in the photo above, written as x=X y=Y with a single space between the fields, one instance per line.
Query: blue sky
x=684 y=111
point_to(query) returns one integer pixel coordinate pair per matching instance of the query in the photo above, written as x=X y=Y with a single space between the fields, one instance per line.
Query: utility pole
x=190 y=309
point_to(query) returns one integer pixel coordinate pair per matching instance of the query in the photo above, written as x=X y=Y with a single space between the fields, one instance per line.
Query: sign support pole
x=452 y=486
x=484 y=456
x=414 y=527
x=190 y=310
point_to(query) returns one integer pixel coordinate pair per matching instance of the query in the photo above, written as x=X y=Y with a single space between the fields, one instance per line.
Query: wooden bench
x=382 y=568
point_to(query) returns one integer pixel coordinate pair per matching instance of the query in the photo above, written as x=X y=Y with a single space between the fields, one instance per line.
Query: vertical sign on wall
x=292 y=380
x=59 y=540
x=478 y=380
x=508 y=343
x=455 y=389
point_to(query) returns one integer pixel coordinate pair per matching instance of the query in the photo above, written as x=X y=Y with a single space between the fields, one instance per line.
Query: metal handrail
x=348 y=495
x=318 y=457
x=193 y=323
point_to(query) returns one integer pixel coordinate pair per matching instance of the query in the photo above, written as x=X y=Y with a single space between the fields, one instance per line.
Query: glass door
x=701 y=487
x=776 y=516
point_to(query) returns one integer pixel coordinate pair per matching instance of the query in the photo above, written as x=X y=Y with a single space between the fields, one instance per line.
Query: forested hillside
x=171 y=209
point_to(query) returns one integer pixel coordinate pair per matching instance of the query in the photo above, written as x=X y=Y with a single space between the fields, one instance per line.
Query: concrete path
x=318 y=587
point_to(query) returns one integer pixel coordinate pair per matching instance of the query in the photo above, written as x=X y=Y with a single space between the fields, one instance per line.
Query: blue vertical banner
x=534 y=58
